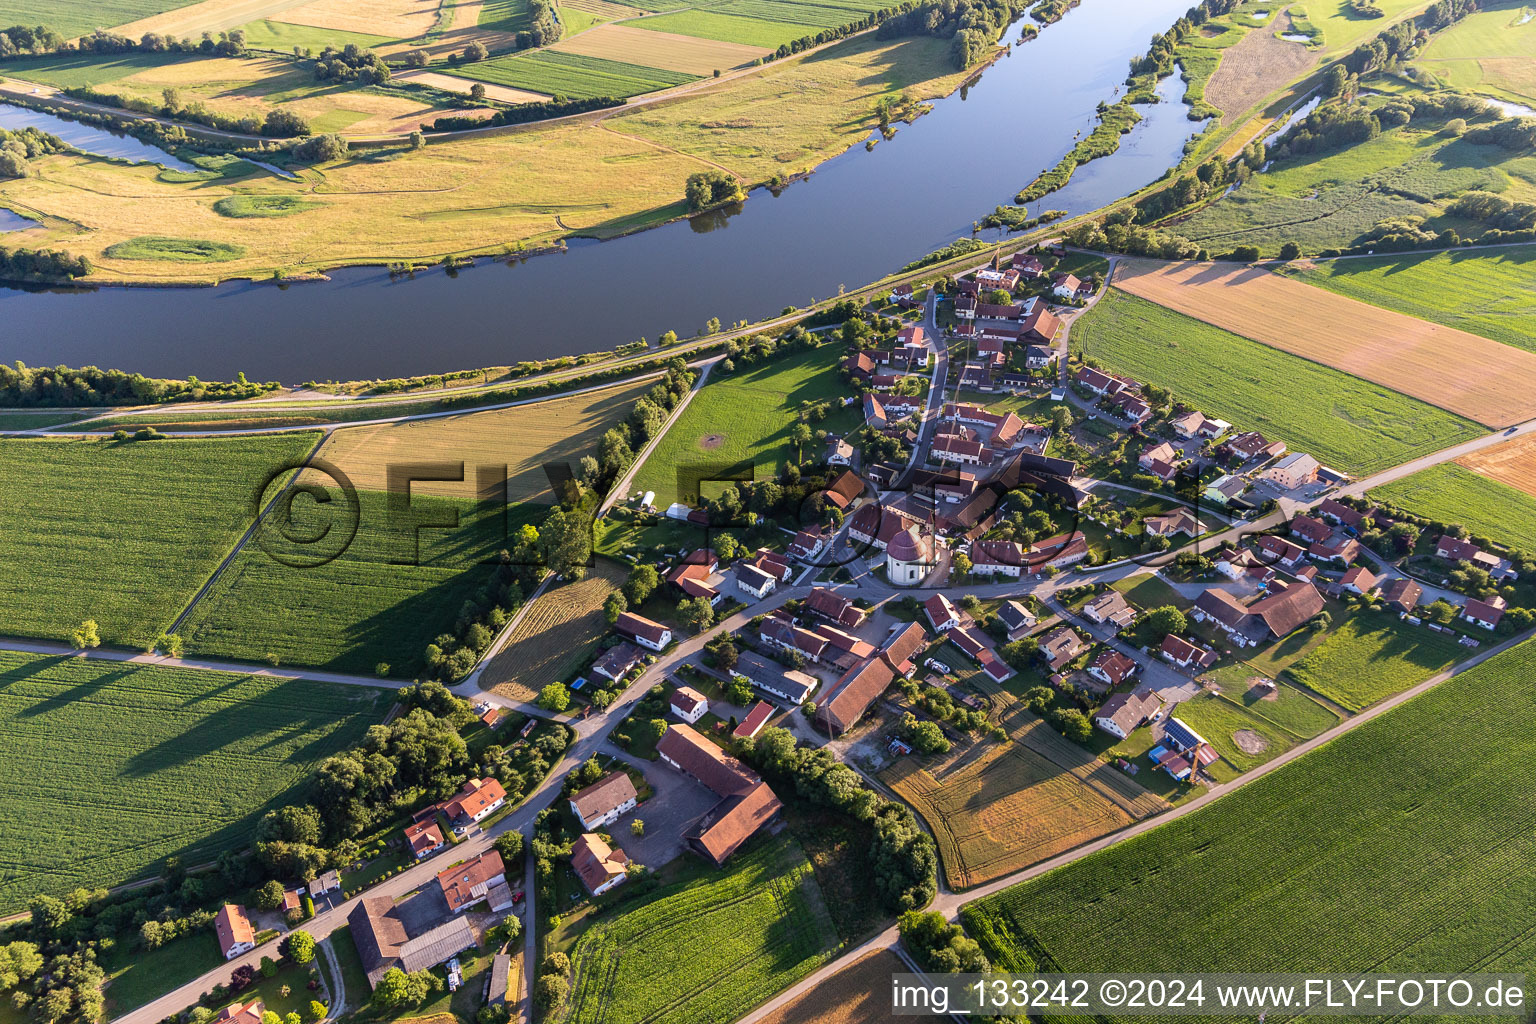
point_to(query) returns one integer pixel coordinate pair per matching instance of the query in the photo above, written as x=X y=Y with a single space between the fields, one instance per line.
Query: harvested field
x=604 y=9
x=555 y=633
x=997 y=807
x=1256 y=66
x=857 y=994
x=523 y=439
x=402 y=19
x=451 y=83
x=209 y=16
x=1512 y=463
x=1487 y=382
x=663 y=50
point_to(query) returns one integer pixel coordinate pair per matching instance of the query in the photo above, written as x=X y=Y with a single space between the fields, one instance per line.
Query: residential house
x=965 y=306
x=1171 y=524
x=648 y=634
x=233 y=929
x=1123 y=713
x=1358 y=580
x=1103 y=383
x=843 y=650
x=781 y=632
x=958 y=450
x=1184 y=654
x=1040 y=324
x=688 y=704
x=913 y=336
x=1163 y=453
x=1286 y=611
x=976 y=647
x=1110 y=608
x=860 y=366
x=618 y=661
x=752 y=580
x=1189 y=425
x=1225 y=489
x=604 y=801
x=746 y=804
x=599 y=866
x=477 y=800
x=874 y=412
x=1313 y=531
x=1065 y=286
x=382 y=931
x=1059 y=551
x=1279 y=551
x=423 y=838
x=1028 y=265
x=1238 y=563
x=774 y=565
x=241 y=1013
x=1006 y=280
x=833 y=607
x=1403 y=595
x=845 y=489
x=1295 y=470
x=809 y=543
x=1340 y=513
x=1485 y=613
x=942 y=613
x=1017 y=619
x=997 y=558
x=1337 y=548
x=464 y=885
x=901 y=293
x=1230 y=615
x=1061 y=646
x=1248 y=446
x=839 y=452
x=1036 y=357
x=1129 y=407
x=789 y=685
x=754 y=722
x=1113 y=668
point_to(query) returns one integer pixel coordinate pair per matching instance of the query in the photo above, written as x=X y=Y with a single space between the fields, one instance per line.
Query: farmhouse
x=845 y=489
x=785 y=635
x=648 y=634
x=1103 y=383
x=1171 y=524
x=1230 y=615
x=1110 y=607
x=835 y=608
x=1249 y=446
x=381 y=930
x=752 y=580
x=1185 y=654
x=1112 y=667
x=1129 y=408
x=1485 y=613
x=618 y=661
x=789 y=685
x=1028 y=265
x=476 y=801
x=809 y=543
x=975 y=647
x=1279 y=551
x=1040 y=324
x=1065 y=286
x=1286 y=611
x=482 y=879
x=604 y=801
x=746 y=803
x=1017 y=619
x=1295 y=470
x=839 y=452
x=860 y=366
x=599 y=866
x=997 y=557
x=693 y=574
x=1123 y=713
x=1059 y=551
x=423 y=838
x=233 y=929
x=1060 y=646
x=874 y=412
x=1403 y=595
x=942 y=613
x=959 y=450
x=688 y=704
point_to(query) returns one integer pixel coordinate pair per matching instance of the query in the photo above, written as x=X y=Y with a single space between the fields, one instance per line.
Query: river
x=861 y=216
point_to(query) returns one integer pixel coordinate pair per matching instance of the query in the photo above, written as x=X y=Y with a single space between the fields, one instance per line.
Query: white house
x=689 y=704
x=234 y=931
x=604 y=801
x=643 y=631
x=752 y=580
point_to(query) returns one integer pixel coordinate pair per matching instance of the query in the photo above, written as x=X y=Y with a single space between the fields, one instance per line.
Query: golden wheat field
x=453 y=83
x=605 y=9
x=1512 y=463
x=663 y=50
x=522 y=438
x=1463 y=373
x=858 y=994
x=208 y=16
x=399 y=19
x=995 y=808
x=554 y=634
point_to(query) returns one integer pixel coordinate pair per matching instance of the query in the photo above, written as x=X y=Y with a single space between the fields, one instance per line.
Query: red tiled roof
x=232 y=926
x=639 y=626
x=460 y=882
x=603 y=796
x=595 y=862
x=755 y=720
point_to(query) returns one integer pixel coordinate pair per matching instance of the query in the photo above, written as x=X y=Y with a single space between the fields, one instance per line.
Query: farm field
x=396 y=586
x=1512 y=463
x=397 y=19
x=123 y=533
x=522 y=439
x=267 y=34
x=766 y=23
x=1244 y=739
x=1255 y=66
x=709 y=949
x=1342 y=28
x=857 y=994
x=215 y=16
x=487 y=193
x=1489 y=51
x=1420 y=863
x=572 y=75
x=756 y=406
x=665 y=50
x=1453 y=493
x=1371 y=656
x=1486 y=292
x=1343 y=421
x=78 y=17
x=997 y=807
x=179 y=761
x=449 y=83
x=1287 y=708
x=559 y=629
x=1491 y=383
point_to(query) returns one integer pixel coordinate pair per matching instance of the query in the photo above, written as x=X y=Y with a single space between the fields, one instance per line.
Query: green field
x=706 y=950
x=1372 y=656
x=262 y=206
x=33 y=420
x=1405 y=845
x=740 y=425
x=571 y=74
x=1342 y=27
x=78 y=17
x=1452 y=494
x=507 y=16
x=1217 y=718
x=277 y=35
x=1489 y=51
x=1343 y=421
x=768 y=23
x=142 y=762
x=72 y=70
x=1290 y=709
x=178 y=250
x=1491 y=292
x=368 y=605
x=123 y=533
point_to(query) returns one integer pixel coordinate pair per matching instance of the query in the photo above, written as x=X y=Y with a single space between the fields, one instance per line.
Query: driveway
x=678 y=802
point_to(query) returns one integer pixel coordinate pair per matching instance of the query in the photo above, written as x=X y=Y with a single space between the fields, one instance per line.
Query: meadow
x=1241 y=737
x=261 y=206
x=1419 y=863
x=1341 y=27
x=1487 y=292
x=398 y=584
x=1288 y=709
x=558 y=630
x=1454 y=494
x=123 y=532
x=572 y=75
x=145 y=761
x=79 y=17
x=709 y=949
x=1343 y=421
x=737 y=426
x=1371 y=656
x=1488 y=382
x=72 y=70
x=997 y=807
x=267 y=34
x=503 y=15
x=1489 y=51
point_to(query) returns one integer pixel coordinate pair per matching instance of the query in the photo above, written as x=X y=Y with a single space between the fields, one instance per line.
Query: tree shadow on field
x=66 y=697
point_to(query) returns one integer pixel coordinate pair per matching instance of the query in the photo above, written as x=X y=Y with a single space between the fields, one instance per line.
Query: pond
x=861 y=216
x=10 y=220
x=89 y=139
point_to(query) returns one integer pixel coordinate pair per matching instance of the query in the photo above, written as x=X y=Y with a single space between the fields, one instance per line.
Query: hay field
x=452 y=83
x=1462 y=373
x=663 y=50
x=1000 y=807
x=1256 y=66
x=1512 y=463
x=857 y=994
x=555 y=633
x=402 y=19
x=1488 y=51
x=522 y=438
x=208 y=16
x=605 y=10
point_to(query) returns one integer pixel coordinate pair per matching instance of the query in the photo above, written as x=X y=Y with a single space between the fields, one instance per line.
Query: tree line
x=36 y=40
x=28 y=386
x=974 y=25
x=523 y=113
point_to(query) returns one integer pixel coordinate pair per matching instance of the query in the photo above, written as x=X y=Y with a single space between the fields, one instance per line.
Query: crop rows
x=140 y=762
x=554 y=634
x=1371 y=657
x=573 y=75
x=1451 y=494
x=709 y=950
x=1424 y=858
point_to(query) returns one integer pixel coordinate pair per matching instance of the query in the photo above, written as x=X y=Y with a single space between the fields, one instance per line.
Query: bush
x=321 y=149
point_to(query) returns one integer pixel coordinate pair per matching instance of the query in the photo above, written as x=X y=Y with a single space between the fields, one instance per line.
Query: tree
x=695 y=614
x=510 y=845
x=565 y=542
x=269 y=895
x=1290 y=251
x=643 y=580
x=317 y=1011
x=708 y=189
x=1159 y=622
x=1061 y=419
x=284 y=124
x=554 y=697
x=1072 y=724
x=637 y=827
x=477 y=91
x=319 y=149
x=800 y=435
x=614 y=606
x=960 y=562
x=268 y=967
x=738 y=691
x=475 y=51
x=301 y=947
x=551 y=991
x=19 y=962
x=85 y=636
